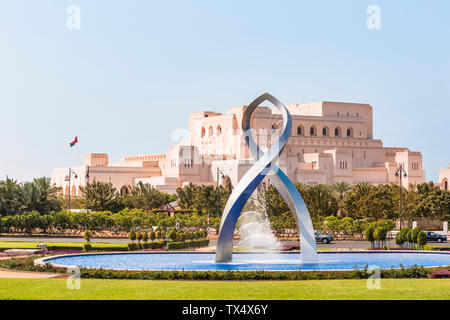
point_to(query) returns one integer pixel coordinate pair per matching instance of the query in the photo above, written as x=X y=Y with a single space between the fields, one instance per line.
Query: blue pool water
x=251 y=261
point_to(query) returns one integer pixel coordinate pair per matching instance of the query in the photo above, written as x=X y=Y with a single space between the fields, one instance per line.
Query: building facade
x=444 y=179
x=330 y=142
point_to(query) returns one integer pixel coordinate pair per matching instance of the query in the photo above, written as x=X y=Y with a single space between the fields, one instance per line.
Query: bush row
x=67 y=222
x=172 y=245
x=27 y=264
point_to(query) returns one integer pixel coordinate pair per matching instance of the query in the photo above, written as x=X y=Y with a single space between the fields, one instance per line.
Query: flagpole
x=78 y=156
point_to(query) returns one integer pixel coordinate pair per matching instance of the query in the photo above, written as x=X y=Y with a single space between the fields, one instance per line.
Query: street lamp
x=401 y=172
x=87 y=193
x=69 y=178
x=218 y=194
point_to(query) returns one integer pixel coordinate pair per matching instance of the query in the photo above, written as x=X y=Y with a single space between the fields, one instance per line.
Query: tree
x=409 y=237
x=380 y=235
x=9 y=190
x=139 y=237
x=186 y=196
x=340 y=190
x=145 y=236
x=414 y=235
x=400 y=238
x=102 y=196
x=273 y=203
x=87 y=235
x=319 y=200
x=173 y=235
x=37 y=195
x=367 y=201
x=421 y=239
x=432 y=203
x=132 y=235
x=203 y=199
x=145 y=196
x=368 y=233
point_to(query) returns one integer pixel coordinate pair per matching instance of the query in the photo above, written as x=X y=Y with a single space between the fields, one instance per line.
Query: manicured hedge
x=27 y=264
x=436 y=248
x=172 y=245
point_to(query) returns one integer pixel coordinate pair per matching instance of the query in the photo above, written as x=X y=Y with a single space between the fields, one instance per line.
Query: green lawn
x=223 y=290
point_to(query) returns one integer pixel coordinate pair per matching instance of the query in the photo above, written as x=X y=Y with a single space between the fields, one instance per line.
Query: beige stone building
x=330 y=142
x=444 y=179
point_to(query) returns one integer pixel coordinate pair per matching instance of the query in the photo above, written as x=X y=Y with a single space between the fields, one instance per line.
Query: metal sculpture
x=254 y=176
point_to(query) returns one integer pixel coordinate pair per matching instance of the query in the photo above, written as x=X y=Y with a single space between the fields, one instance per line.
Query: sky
x=135 y=70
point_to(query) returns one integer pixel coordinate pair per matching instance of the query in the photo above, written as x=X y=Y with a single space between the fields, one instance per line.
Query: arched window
x=312 y=131
x=123 y=190
x=210 y=131
x=325 y=132
x=203 y=132
x=349 y=132
x=446 y=185
x=219 y=130
x=300 y=131
x=337 y=132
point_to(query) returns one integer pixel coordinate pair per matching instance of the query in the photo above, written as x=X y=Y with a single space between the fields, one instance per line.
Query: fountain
x=265 y=165
x=256 y=233
x=255 y=230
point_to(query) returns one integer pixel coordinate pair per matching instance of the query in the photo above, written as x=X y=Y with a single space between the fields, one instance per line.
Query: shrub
x=181 y=236
x=157 y=244
x=145 y=236
x=368 y=234
x=87 y=235
x=139 y=236
x=87 y=247
x=409 y=236
x=422 y=239
x=415 y=232
x=132 y=246
x=400 y=238
x=152 y=235
x=380 y=234
x=145 y=245
x=132 y=235
x=173 y=235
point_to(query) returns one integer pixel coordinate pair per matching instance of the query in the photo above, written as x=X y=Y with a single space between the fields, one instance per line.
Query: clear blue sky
x=136 y=69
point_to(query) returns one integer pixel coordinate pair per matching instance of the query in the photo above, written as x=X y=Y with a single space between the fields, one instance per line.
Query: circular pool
x=250 y=261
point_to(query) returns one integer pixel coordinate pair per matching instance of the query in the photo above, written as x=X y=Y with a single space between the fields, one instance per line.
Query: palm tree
x=39 y=196
x=9 y=203
x=340 y=190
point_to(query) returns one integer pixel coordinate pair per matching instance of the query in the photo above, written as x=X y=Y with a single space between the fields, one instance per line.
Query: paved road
x=341 y=244
x=345 y=244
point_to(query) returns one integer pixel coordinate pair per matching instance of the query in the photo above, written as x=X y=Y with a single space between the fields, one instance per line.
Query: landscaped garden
x=359 y=212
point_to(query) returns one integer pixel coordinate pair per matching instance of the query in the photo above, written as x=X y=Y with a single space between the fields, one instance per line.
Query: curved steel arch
x=253 y=178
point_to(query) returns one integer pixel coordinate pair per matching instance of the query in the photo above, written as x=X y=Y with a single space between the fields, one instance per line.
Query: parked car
x=322 y=237
x=433 y=236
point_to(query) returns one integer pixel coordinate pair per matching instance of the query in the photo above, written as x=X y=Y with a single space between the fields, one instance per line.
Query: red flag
x=74 y=141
